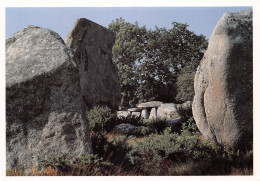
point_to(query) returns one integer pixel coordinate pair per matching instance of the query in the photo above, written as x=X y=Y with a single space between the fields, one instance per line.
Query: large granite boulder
x=49 y=88
x=223 y=102
x=166 y=111
x=92 y=45
x=44 y=114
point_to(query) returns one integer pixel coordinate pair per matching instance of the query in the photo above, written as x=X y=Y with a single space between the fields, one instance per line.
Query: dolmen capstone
x=223 y=102
x=49 y=86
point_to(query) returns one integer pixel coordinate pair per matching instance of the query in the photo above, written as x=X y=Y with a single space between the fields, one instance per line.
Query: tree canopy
x=155 y=64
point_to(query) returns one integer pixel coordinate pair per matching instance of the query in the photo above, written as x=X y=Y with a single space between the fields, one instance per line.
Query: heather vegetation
x=158 y=152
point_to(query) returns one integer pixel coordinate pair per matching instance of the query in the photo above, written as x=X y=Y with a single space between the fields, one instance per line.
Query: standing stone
x=92 y=45
x=136 y=114
x=145 y=114
x=44 y=114
x=153 y=114
x=223 y=102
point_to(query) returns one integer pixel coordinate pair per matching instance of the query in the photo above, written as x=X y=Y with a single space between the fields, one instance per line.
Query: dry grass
x=14 y=172
x=241 y=171
x=49 y=171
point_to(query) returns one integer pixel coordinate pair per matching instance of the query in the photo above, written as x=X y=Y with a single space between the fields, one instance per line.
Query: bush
x=190 y=125
x=150 y=154
x=136 y=121
x=114 y=151
x=157 y=124
x=99 y=117
x=58 y=162
x=90 y=164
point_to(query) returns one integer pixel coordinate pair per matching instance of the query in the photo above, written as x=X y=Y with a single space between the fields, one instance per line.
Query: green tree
x=151 y=62
x=185 y=83
x=168 y=55
x=127 y=50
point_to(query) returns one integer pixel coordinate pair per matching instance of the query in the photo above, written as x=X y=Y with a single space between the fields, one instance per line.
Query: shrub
x=157 y=124
x=117 y=150
x=190 y=125
x=99 y=117
x=141 y=131
x=136 y=121
x=114 y=151
x=99 y=143
x=58 y=162
x=150 y=154
x=90 y=164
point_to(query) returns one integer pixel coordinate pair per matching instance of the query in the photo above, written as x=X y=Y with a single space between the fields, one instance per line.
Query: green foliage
x=141 y=131
x=147 y=155
x=57 y=162
x=114 y=151
x=190 y=126
x=185 y=87
x=117 y=150
x=149 y=61
x=99 y=117
x=90 y=164
x=151 y=153
x=136 y=121
x=127 y=50
x=157 y=124
x=99 y=143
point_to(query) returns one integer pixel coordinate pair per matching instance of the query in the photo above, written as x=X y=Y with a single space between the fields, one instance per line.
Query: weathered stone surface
x=166 y=110
x=185 y=105
x=136 y=114
x=129 y=129
x=150 y=104
x=136 y=109
x=153 y=114
x=123 y=114
x=27 y=58
x=223 y=102
x=145 y=114
x=44 y=115
x=92 y=45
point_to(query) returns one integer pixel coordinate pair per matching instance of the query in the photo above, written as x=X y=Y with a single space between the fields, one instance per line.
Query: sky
x=201 y=20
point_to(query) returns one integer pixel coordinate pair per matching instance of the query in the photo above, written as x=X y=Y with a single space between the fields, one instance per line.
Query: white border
x=134 y=3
